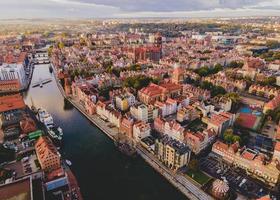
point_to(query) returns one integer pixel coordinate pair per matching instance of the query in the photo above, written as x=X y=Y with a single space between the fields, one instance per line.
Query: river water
x=102 y=171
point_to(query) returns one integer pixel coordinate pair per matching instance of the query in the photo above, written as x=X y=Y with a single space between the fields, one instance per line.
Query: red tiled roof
x=44 y=147
x=11 y=102
x=247 y=155
x=277 y=146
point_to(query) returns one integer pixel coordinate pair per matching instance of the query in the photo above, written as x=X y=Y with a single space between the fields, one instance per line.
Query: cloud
x=135 y=8
x=173 y=6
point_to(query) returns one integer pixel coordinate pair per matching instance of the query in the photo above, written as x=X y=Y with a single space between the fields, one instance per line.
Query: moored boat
x=126 y=149
x=68 y=162
x=45 y=118
x=55 y=133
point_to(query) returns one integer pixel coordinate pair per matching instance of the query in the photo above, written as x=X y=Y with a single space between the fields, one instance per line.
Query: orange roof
x=221 y=145
x=11 y=102
x=265 y=198
x=247 y=155
x=170 y=86
x=277 y=146
x=44 y=148
x=198 y=136
x=151 y=90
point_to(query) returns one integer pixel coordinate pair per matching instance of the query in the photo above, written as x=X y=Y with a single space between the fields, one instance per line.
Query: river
x=102 y=171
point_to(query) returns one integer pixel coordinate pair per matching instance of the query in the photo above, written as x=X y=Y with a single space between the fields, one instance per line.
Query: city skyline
x=131 y=9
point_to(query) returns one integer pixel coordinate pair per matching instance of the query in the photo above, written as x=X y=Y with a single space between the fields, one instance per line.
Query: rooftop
x=18 y=190
x=11 y=102
x=179 y=147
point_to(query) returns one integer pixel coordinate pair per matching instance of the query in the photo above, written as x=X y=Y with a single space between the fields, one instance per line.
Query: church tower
x=178 y=74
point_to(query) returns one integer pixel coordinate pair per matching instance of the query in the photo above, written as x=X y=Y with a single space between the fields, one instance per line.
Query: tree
x=6 y=154
x=206 y=85
x=228 y=135
x=236 y=138
x=272 y=44
x=193 y=165
x=261 y=93
x=235 y=98
x=235 y=64
x=217 y=90
x=61 y=45
x=135 y=67
x=50 y=49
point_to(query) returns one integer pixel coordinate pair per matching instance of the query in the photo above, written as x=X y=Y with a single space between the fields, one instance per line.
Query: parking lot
x=29 y=165
x=237 y=178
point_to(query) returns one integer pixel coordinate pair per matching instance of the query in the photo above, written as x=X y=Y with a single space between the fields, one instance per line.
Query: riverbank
x=102 y=171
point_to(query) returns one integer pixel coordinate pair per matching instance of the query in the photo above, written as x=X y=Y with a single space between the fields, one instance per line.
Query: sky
x=10 y=9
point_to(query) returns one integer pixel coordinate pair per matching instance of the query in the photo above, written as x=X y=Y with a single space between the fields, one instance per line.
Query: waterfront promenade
x=188 y=187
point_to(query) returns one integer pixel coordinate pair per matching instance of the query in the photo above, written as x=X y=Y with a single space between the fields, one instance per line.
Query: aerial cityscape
x=140 y=100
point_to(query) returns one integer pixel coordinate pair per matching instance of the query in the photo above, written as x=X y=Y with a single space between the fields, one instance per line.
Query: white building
x=13 y=67
x=124 y=101
x=144 y=113
x=174 y=130
x=141 y=130
x=13 y=71
x=168 y=107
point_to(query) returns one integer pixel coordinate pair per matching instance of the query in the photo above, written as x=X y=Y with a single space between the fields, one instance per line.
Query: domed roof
x=220 y=187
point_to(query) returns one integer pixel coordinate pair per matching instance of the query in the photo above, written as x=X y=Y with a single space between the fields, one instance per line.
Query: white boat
x=45 y=118
x=55 y=133
x=68 y=162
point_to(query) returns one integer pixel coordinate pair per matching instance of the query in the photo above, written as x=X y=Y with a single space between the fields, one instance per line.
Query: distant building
x=223 y=103
x=178 y=74
x=264 y=91
x=153 y=92
x=272 y=104
x=195 y=93
x=143 y=54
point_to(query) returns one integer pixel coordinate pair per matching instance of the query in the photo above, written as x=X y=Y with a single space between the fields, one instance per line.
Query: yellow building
x=172 y=153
